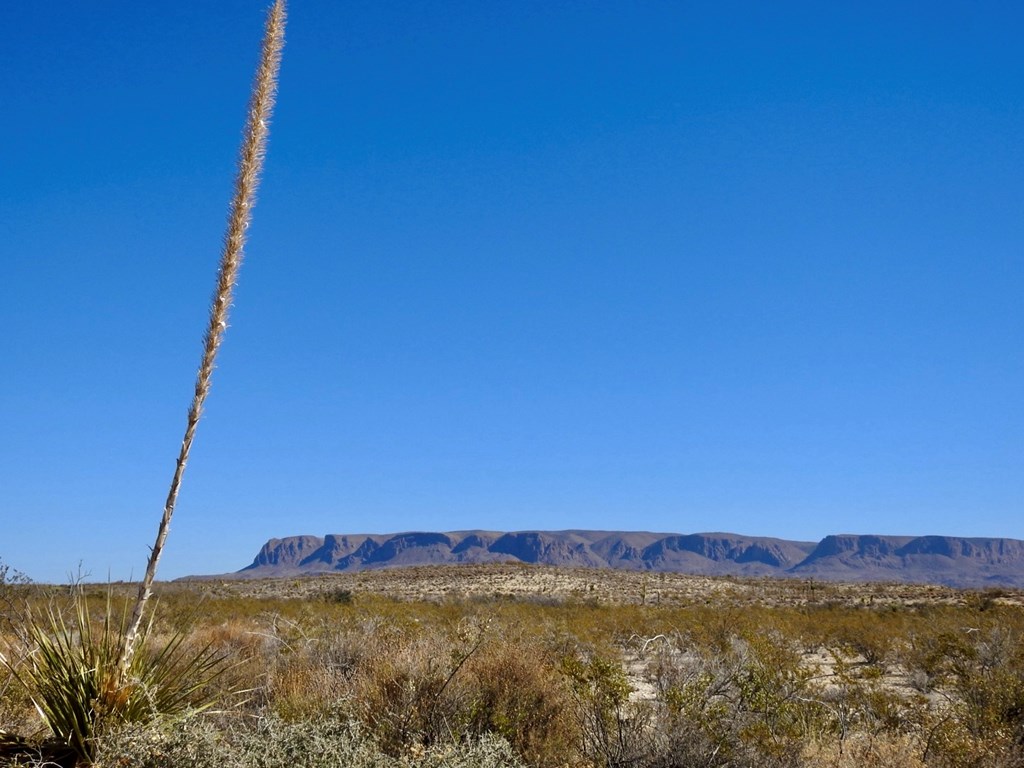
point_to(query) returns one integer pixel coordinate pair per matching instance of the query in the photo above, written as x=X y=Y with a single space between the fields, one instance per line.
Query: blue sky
x=665 y=266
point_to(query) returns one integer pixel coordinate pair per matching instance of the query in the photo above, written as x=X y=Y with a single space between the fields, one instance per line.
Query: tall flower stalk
x=250 y=163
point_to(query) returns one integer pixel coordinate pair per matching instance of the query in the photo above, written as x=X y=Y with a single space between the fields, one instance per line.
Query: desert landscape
x=525 y=266
x=524 y=665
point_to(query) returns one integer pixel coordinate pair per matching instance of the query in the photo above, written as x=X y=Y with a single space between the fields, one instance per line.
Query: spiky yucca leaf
x=72 y=675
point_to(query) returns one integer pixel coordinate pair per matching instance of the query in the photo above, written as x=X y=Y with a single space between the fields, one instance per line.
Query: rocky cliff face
x=723 y=553
x=288 y=553
x=950 y=560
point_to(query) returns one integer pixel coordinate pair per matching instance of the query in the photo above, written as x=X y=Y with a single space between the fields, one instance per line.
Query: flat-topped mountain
x=949 y=560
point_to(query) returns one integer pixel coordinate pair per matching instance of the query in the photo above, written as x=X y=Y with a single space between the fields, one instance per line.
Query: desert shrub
x=338 y=595
x=864 y=714
x=310 y=674
x=775 y=696
x=412 y=685
x=246 y=650
x=613 y=730
x=860 y=632
x=988 y=681
x=927 y=657
x=14 y=589
x=696 y=717
x=751 y=703
x=320 y=742
x=982 y=721
x=514 y=688
x=398 y=692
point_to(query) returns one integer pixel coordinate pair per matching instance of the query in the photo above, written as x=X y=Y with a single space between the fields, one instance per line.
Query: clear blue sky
x=667 y=266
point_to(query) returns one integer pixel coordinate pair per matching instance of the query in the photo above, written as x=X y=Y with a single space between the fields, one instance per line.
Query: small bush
x=320 y=742
x=614 y=731
x=514 y=688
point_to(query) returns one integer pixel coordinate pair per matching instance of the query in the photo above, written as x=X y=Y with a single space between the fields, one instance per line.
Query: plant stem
x=250 y=163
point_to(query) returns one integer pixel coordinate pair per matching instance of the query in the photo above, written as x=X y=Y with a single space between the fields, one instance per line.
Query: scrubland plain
x=505 y=665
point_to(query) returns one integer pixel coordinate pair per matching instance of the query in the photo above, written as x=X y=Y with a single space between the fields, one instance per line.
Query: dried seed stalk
x=250 y=163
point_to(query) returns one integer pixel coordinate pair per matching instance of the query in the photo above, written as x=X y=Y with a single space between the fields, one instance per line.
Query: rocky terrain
x=946 y=560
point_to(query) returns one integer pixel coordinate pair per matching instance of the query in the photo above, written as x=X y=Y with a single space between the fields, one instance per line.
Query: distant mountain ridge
x=948 y=560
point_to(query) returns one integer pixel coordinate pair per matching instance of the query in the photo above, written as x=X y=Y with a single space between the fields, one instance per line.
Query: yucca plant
x=80 y=680
x=73 y=675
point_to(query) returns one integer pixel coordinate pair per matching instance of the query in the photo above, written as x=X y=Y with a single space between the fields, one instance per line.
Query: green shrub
x=614 y=731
